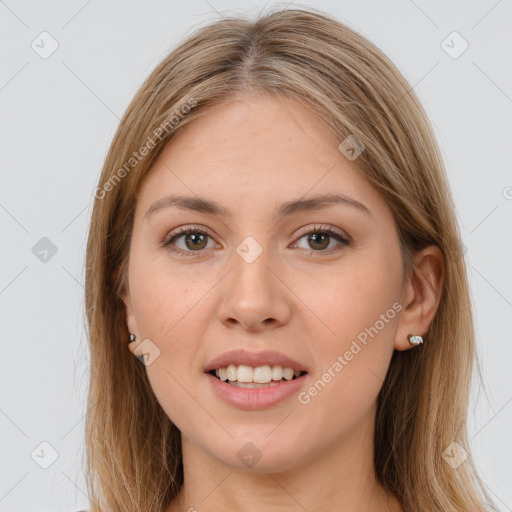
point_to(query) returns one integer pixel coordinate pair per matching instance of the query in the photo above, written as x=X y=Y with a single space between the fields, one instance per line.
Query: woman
x=274 y=240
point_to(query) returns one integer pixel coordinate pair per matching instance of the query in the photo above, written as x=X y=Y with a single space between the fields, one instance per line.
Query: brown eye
x=195 y=241
x=188 y=240
x=319 y=239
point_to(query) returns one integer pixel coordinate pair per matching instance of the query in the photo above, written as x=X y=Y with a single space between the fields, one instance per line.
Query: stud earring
x=132 y=337
x=415 y=340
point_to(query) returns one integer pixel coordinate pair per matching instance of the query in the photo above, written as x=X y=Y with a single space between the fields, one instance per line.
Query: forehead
x=251 y=152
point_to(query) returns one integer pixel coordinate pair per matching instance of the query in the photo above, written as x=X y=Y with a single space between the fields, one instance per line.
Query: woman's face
x=316 y=282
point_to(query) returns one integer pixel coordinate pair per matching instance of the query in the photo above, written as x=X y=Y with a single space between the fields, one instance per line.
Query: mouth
x=256 y=387
x=248 y=377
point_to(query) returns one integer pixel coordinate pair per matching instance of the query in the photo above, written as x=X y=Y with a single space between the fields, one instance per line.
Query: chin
x=258 y=452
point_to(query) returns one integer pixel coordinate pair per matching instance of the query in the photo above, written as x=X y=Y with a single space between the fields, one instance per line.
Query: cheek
x=165 y=297
x=358 y=308
x=171 y=311
x=353 y=298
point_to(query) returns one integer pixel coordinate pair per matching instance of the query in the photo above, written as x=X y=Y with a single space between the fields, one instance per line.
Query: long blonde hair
x=133 y=449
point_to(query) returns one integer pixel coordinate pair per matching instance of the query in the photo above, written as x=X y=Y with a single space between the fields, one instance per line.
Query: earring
x=132 y=337
x=415 y=340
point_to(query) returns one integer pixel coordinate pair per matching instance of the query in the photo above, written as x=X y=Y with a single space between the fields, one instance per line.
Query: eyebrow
x=207 y=206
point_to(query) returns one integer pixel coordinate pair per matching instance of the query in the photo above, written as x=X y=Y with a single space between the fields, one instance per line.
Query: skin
x=304 y=299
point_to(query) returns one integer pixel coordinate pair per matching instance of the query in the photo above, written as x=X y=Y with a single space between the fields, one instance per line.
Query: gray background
x=58 y=116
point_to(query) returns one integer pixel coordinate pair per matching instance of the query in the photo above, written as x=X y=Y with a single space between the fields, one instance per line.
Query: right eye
x=194 y=240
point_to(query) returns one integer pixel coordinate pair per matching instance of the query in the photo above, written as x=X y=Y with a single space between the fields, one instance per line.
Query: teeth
x=231 y=372
x=287 y=373
x=260 y=374
x=252 y=385
x=277 y=373
x=245 y=373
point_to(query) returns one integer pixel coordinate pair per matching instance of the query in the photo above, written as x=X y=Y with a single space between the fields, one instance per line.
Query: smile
x=246 y=376
x=253 y=395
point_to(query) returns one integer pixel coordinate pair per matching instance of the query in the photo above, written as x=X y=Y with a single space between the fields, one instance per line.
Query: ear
x=421 y=295
x=131 y=323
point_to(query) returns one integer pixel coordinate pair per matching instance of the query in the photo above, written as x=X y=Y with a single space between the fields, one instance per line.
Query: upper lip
x=264 y=358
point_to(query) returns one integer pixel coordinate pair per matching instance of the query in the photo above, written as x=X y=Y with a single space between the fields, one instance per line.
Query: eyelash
x=317 y=229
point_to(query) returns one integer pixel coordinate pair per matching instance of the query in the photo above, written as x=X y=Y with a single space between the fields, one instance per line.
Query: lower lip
x=255 y=398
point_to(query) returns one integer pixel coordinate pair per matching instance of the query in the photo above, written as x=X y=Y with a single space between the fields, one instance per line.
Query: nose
x=253 y=297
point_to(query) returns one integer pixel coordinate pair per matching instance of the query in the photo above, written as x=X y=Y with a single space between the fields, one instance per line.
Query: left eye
x=319 y=240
